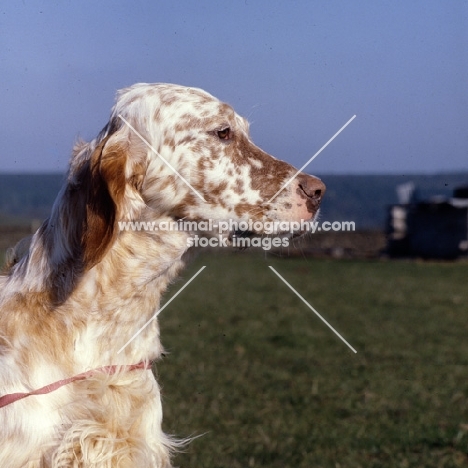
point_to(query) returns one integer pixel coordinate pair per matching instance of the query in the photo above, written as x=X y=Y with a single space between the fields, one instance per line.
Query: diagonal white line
x=312 y=158
x=161 y=309
x=311 y=308
x=164 y=160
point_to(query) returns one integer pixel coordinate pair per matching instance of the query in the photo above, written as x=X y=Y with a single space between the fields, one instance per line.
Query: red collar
x=110 y=370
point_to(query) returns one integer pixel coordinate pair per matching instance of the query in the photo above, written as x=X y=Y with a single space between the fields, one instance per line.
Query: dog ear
x=104 y=190
x=117 y=168
x=101 y=188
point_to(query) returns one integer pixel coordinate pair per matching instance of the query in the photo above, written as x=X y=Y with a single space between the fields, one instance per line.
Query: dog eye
x=224 y=134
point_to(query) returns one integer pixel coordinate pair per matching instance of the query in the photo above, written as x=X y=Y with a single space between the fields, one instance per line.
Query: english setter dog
x=83 y=288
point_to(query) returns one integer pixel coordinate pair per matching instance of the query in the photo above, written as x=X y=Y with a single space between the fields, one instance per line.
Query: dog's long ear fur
x=83 y=224
x=104 y=183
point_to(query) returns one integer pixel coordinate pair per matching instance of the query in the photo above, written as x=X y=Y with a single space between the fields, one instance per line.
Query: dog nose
x=312 y=186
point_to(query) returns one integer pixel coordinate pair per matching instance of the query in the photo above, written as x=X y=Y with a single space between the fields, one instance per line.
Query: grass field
x=269 y=385
x=265 y=383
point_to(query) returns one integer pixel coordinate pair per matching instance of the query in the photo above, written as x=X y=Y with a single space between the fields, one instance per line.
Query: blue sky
x=298 y=70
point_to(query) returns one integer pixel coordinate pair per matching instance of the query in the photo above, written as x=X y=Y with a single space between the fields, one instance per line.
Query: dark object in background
x=433 y=229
